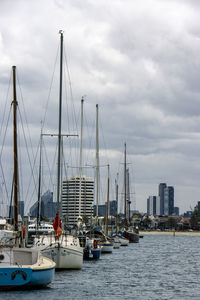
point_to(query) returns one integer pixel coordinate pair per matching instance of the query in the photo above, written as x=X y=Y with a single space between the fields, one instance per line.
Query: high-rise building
x=47 y=207
x=77 y=198
x=153 y=205
x=161 y=188
x=168 y=200
x=102 y=209
x=20 y=210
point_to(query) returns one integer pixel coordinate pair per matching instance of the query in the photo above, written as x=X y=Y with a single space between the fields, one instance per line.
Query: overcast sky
x=139 y=60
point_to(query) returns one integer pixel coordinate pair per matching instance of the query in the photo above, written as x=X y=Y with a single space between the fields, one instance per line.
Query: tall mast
x=128 y=195
x=60 y=121
x=81 y=150
x=39 y=182
x=97 y=162
x=117 y=189
x=16 y=182
x=125 y=199
x=107 y=206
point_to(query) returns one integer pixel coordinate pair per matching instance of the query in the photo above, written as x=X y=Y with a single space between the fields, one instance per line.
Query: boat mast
x=39 y=182
x=97 y=163
x=81 y=147
x=16 y=180
x=60 y=122
x=108 y=192
x=128 y=196
x=125 y=200
x=117 y=189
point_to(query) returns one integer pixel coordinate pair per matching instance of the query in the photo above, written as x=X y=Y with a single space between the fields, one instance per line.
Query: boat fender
x=95 y=244
x=24 y=275
x=24 y=231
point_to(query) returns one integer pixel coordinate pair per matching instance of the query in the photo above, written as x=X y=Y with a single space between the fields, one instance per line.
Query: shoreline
x=178 y=233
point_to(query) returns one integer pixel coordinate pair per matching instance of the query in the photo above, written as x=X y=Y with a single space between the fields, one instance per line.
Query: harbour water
x=158 y=267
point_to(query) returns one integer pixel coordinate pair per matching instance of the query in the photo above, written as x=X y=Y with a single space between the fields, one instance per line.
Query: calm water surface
x=159 y=267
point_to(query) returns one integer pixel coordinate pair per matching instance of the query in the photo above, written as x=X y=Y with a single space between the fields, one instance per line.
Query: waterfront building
x=77 y=198
x=161 y=188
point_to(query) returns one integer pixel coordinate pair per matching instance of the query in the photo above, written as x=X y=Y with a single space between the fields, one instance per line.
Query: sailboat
x=91 y=249
x=128 y=233
x=64 y=250
x=22 y=267
x=104 y=243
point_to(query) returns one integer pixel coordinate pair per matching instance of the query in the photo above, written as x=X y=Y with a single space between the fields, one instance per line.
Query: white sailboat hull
x=106 y=247
x=123 y=241
x=66 y=252
x=64 y=257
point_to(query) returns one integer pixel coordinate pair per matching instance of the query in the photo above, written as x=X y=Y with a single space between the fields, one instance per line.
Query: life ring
x=24 y=275
x=95 y=244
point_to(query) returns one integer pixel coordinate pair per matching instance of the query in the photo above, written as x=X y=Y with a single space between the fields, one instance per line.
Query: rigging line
x=89 y=136
x=47 y=102
x=104 y=143
x=4 y=111
x=26 y=120
x=34 y=164
x=48 y=167
x=2 y=152
x=53 y=166
x=20 y=185
x=67 y=113
x=70 y=88
x=28 y=155
x=26 y=205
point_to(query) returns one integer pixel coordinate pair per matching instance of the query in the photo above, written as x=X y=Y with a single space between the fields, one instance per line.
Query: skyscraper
x=168 y=200
x=47 y=206
x=153 y=205
x=77 y=198
x=161 y=188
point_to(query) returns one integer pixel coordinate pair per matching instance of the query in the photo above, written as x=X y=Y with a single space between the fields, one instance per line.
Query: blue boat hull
x=24 y=278
x=93 y=253
x=96 y=253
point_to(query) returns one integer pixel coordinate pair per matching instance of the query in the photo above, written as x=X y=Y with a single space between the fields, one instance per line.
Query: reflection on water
x=159 y=267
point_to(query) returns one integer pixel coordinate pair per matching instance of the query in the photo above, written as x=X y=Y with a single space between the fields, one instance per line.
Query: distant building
x=153 y=205
x=20 y=210
x=168 y=200
x=77 y=198
x=187 y=214
x=47 y=207
x=161 y=188
x=102 y=209
x=176 y=211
